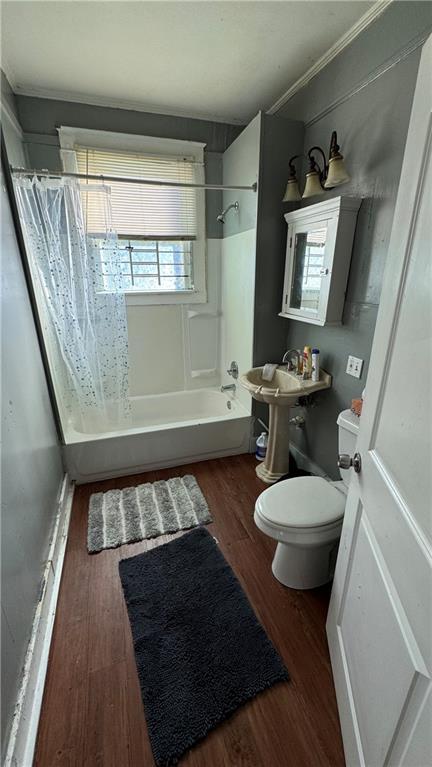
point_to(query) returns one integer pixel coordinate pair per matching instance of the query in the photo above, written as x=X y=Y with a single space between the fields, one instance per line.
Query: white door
x=380 y=618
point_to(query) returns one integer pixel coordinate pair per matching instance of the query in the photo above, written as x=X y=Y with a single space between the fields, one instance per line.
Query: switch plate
x=354 y=367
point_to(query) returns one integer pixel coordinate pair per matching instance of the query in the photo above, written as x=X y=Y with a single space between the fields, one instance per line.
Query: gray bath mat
x=145 y=511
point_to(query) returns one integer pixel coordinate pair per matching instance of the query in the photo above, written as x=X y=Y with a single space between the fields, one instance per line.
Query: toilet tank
x=348 y=425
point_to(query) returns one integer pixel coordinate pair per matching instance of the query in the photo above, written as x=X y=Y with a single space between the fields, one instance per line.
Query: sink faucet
x=288 y=359
x=229 y=387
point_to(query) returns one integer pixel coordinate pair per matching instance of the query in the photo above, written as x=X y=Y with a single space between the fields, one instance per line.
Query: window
x=161 y=229
x=157 y=265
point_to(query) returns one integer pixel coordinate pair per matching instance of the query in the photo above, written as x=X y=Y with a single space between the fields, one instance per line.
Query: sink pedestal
x=280 y=394
x=276 y=462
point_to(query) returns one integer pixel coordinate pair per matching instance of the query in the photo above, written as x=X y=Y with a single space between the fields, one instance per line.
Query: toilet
x=304 y=515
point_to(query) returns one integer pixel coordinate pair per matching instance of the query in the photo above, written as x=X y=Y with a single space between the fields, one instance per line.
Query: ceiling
x=219 y=60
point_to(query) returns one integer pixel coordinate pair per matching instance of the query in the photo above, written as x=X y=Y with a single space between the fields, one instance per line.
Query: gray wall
x=279 y=137
x=31 y=465
x=39 y=119
x=366 y=95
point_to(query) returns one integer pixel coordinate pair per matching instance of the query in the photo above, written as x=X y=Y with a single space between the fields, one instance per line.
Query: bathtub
x=165 y=430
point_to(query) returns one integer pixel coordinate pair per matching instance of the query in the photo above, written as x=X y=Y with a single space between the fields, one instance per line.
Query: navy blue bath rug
x=200 y=650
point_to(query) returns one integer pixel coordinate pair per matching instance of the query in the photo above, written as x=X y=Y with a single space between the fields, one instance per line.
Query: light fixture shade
x=337 y=173
x=292 y=191
x=313 y=185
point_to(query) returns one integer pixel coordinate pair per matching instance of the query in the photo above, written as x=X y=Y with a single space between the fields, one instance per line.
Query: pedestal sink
x=280 y=393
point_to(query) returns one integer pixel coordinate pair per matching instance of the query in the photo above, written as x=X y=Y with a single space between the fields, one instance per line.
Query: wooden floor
x=92 y=712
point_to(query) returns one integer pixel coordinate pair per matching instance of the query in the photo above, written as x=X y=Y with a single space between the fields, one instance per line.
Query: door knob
x=345 y=462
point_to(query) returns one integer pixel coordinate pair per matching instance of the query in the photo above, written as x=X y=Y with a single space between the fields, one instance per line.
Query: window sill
x=136 y=298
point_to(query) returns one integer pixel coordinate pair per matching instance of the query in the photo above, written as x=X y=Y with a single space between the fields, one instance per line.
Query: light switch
x=354 y=367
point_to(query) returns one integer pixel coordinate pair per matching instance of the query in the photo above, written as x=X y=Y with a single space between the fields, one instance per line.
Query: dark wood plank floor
x=92 y=712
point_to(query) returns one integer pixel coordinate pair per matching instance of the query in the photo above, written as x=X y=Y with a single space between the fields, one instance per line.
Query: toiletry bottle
x=307 y=362
x=299 y=362
x=315 y=365
x=261 y=446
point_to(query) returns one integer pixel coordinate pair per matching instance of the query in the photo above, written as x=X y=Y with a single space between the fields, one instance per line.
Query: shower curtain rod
x=132 y=180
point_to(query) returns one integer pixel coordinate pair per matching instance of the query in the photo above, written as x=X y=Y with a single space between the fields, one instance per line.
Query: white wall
x=237 y=304
x=30 y=463
x=167 y=343
x=240 y=166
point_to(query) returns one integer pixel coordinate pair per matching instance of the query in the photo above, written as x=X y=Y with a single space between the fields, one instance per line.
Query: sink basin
x=284 y=389
x=280 y=393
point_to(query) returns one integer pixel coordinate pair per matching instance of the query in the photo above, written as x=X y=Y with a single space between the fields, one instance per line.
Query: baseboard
x=304 y=462
x=22 y=739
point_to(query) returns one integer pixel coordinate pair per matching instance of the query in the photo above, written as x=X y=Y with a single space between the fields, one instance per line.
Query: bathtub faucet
x=229 y=387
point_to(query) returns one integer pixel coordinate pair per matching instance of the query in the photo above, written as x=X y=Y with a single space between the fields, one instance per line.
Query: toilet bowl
x=305 y=515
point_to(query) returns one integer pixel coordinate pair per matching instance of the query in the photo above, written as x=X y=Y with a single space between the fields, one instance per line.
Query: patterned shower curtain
x=77 y=282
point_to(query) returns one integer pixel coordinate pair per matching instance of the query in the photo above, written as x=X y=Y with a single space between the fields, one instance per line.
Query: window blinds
x=147 y=212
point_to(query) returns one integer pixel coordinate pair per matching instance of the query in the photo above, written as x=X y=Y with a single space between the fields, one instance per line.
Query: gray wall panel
x=43 y=116
x=279 y=138
x=40 y=118
x=372 y=125
x=30 y=465
x=214 y=199
x=391 y=35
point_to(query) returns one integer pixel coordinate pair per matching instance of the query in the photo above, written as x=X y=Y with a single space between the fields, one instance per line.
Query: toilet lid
x=301 y=502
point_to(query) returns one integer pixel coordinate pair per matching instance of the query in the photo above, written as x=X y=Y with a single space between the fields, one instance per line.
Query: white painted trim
x=7 y=69
x=168 y=298
x=113 y=103
x=69 y=138
x=22 y=739
x=7 y=112
x=373 y=13
x=324 y=208
x=136 y=106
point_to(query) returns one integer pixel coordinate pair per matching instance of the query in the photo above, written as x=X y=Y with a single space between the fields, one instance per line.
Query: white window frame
x=72 y=137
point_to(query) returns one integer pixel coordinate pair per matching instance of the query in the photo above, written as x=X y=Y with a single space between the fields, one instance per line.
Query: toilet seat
x=301 y=504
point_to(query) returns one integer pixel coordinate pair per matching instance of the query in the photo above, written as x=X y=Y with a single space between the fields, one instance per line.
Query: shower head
x=221 y=216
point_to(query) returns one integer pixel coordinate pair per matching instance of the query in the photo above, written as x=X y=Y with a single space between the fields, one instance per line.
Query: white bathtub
x=166 y=430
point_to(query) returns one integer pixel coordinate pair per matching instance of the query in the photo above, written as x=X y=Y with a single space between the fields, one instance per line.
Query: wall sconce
x=332 y=173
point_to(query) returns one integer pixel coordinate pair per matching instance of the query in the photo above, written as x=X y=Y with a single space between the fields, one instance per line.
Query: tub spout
x=229 y=387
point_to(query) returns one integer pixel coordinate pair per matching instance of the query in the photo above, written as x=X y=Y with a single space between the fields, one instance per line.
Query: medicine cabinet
x=318 y=254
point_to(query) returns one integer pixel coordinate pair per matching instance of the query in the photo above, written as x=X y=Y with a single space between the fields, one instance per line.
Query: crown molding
x=373 y=13
x=136 y=106
x=406 y=51
x=5 y=108
x=113 y=103
x=7 y=70
x=8 y=113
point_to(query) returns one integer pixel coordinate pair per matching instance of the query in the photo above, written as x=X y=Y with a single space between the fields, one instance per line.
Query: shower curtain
x=77 y=280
